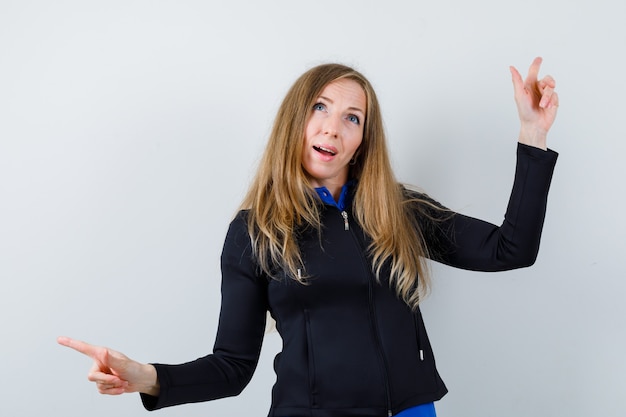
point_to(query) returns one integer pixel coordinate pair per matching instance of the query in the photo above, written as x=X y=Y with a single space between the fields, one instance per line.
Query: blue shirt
x=345 y=198
x=423 y=410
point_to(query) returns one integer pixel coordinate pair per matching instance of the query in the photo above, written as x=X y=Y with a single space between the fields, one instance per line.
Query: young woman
x=335 y=249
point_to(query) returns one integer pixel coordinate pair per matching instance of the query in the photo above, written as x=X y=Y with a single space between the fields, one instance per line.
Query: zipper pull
x=345 y=220
x=421 y=355
x=389 y=413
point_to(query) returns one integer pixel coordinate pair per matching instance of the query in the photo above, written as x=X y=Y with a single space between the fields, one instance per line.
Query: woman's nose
x=331 y=126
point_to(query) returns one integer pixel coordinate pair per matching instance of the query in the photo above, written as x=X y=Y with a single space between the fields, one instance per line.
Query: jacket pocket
x=427 y=376
x=311 y=359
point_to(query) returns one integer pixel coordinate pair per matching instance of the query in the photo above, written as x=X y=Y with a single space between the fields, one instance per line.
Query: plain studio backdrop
x=130 y=130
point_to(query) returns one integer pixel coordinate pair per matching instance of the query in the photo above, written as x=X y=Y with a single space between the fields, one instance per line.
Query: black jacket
x=350 y=346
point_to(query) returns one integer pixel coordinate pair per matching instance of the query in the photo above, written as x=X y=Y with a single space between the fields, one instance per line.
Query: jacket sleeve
x=240 y=333
x=473 y=244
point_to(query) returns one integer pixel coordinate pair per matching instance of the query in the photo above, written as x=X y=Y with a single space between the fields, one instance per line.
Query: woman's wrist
x=149 y=383
x=533 y=136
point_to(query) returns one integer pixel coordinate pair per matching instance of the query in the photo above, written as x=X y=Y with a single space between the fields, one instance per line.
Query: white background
x=129 y=131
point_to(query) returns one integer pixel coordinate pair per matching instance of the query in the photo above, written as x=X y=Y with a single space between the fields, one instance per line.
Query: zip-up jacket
x=351 y=347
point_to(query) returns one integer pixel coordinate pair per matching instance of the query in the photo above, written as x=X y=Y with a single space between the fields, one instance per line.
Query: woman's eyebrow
x=349 y=108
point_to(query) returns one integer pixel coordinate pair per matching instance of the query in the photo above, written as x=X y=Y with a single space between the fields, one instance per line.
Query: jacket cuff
x=151 y=402
x=548 y=155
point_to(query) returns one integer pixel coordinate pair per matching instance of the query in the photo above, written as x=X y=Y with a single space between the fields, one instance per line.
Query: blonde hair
x=281 y=198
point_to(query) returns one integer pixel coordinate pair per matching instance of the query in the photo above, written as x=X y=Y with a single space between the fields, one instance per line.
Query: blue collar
x=345 y=198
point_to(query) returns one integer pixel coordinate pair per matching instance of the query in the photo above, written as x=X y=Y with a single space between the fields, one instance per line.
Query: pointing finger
x=82 y=347
x=533 y=71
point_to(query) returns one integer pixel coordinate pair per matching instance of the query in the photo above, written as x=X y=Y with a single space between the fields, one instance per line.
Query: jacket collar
x=345 y=198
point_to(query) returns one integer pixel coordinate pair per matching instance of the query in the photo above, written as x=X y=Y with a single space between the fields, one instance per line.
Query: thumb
x=518 y=82
x=113 y=360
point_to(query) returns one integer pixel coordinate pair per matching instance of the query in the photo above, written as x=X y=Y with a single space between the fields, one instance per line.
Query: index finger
x=533 y=71
x=79 y=346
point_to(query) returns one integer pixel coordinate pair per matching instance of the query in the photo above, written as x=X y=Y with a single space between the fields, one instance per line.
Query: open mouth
x=324 y=150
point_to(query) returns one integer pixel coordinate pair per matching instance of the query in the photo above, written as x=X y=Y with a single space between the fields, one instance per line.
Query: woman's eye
x=354 y=119
x=319 y=107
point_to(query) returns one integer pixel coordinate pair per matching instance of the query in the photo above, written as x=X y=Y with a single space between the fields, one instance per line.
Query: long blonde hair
x=281 y=198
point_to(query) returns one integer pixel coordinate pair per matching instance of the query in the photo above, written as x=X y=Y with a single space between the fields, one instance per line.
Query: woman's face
x=333 y=133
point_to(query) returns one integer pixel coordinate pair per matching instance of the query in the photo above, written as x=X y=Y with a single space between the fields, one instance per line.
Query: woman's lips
x=325 y=153
x=328 y=150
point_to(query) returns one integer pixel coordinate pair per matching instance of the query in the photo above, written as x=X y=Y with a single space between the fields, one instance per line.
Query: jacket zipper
x=379 y=348
x=346 y=225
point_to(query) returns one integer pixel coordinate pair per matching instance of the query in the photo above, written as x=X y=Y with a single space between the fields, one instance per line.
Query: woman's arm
x=235 y=354
x=241 y=329
x=470 y=243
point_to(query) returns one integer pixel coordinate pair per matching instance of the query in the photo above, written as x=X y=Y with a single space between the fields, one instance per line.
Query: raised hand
x=113 y=372
x=537 y=104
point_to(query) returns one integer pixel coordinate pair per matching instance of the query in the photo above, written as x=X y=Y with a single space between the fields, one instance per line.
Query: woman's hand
x=537 y=104
x=113 y=372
